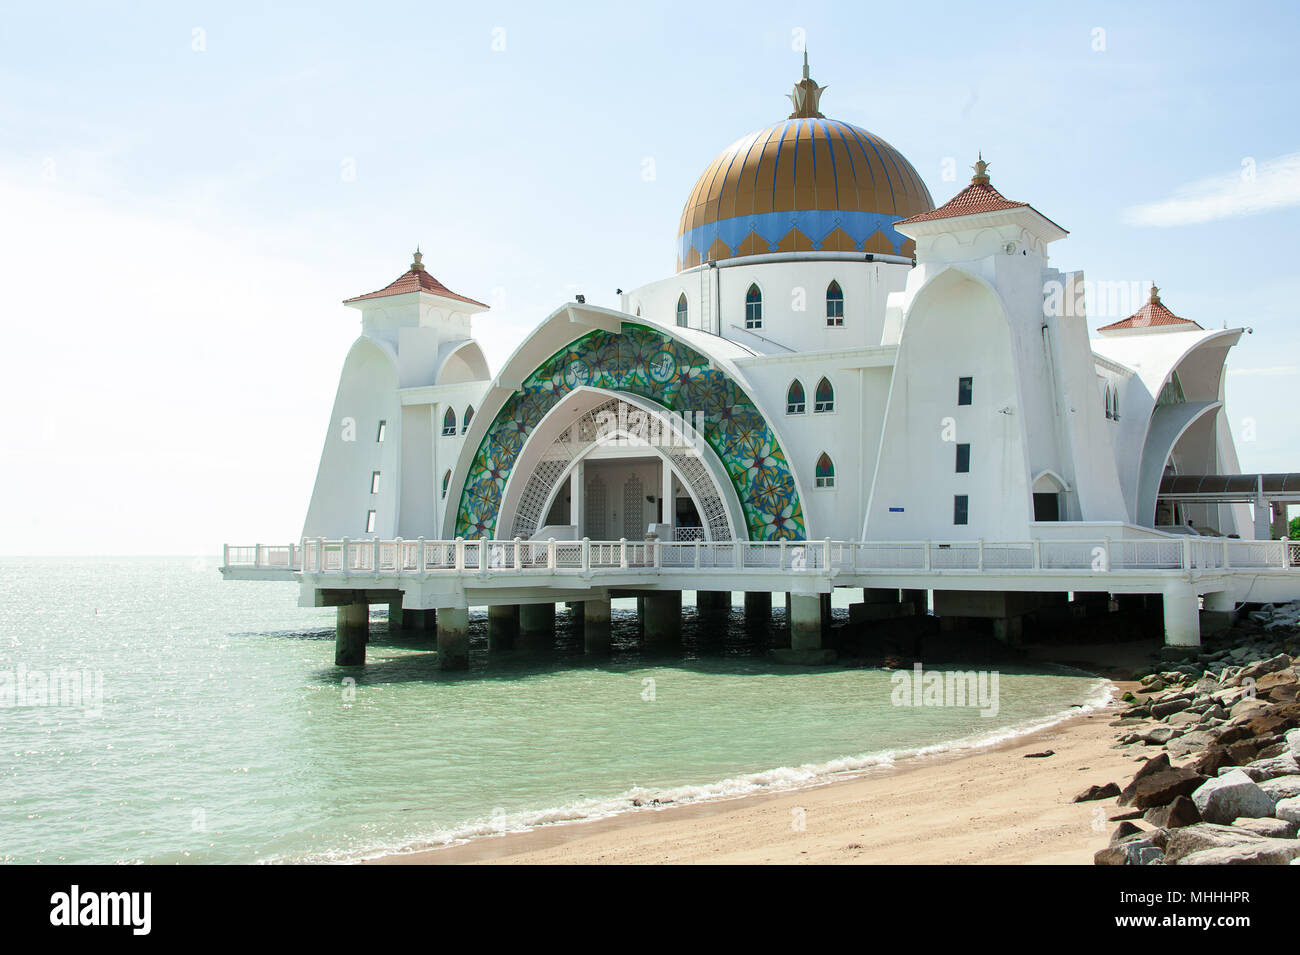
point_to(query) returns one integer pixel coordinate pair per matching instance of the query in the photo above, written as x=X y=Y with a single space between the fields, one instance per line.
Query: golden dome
x=804 y=184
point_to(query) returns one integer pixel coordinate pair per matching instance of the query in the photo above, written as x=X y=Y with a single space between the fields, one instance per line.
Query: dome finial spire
x=806 y=95
x=1155 y=294
x=981 y=170
x=418 y=264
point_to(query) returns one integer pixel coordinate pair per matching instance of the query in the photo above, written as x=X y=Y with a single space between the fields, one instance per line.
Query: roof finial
x=806 y=95
x=1155 y=294
x=981 y=170
x=418 y=264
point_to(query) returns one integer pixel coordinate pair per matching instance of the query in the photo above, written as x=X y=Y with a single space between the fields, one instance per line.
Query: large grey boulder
x=1284 y=765
x=1271 y=828
x=1293 y=742
x=1264 y=852
x=1282 y=787
x=1230 y=796
x=1288 y=809
x=1204 y=835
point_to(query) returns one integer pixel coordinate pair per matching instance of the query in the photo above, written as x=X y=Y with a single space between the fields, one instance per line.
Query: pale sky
x=189 y=190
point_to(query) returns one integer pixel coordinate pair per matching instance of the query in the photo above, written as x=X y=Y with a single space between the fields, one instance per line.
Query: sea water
x=225 y=734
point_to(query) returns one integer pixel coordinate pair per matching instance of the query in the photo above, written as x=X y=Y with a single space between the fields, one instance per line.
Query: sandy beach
x=996 y=805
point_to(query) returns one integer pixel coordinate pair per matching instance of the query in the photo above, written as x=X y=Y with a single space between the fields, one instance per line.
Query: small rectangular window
x=374 y=482
x=383 y=428
x=963 y=458
x=960 y=509
x=965 y=388
x=370 y=522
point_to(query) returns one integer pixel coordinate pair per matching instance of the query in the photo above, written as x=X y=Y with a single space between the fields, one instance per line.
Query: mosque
x=840 y=378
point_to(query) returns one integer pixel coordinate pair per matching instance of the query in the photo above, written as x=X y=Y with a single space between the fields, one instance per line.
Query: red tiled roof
x=1151 y=315
x=415 y=280
x=977 y=197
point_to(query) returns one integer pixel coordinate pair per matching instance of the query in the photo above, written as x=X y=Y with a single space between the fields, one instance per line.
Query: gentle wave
x=780 y=779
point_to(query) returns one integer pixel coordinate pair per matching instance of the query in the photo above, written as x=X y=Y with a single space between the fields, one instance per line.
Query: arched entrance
x=606 y=466
x=650 y=365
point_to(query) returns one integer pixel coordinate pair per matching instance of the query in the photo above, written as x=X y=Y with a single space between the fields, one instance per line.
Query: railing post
x=1225 y=553
x=345 y=562
x=225 y=555
x=519 y=559
x=397 y=559
x=1187 y=553
x=697 y=555
x=781 y=556
x=419 y=556
x=320 y=555
x=586 y=554
x=1110 y=564
x=981 y=553
x=826 y=554
x=483 y=556
x=925 y=557
x=853 y=556
x=738 y=555
x=374 y=556
x=550 y=553
x=460 y=554
x=657 y=547
x=1038 y=554
x=257 y=555
x=622 y=553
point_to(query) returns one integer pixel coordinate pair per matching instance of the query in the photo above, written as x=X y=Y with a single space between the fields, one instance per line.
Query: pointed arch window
x=469 y=416
x=446 y=481
x=795 y=400
x=681 y=311
x=753 y=308
x=1114 y=404
x=834 y=305
x=825 y=396
x=449 y=423
x=1109 y=413
x=825 y=471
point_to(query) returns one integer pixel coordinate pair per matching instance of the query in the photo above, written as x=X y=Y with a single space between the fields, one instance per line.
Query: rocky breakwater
x=1219 y=741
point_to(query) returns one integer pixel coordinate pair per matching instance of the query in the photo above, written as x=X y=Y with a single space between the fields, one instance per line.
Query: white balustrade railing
x=376 y=557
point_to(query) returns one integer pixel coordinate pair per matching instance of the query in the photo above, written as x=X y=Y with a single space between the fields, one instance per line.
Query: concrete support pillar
x=503 y=626
x=758 y=606
x=713 y=601
x=1009 y=630
x=453 y=638
x=1182 y=615
x=1219 y=612
x=806 y=621
x=827 y=613
x=395 y=619
x=595 y=625
x=1263 y=521
x=419 y=619
x=351 y=632
x=537 y=618
x=1280 y=529
x=919 y=599
x=662 y=622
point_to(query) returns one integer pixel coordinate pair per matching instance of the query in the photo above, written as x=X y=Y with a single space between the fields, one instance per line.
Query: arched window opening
x=795 y=400
x=1114 y=404
x=825 y=471
x=469 y=416
x=825 y=396
x=681 y=311
x=449 y=424
x=446 y=481
x=753 y=308
x=834 y=305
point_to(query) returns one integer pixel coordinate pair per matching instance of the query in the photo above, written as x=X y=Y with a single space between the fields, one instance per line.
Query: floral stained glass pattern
x=651 y=365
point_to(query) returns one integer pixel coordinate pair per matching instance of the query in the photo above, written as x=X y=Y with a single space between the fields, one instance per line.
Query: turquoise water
x=226 y=734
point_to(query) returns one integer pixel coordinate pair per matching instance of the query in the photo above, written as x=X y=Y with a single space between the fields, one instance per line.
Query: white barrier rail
x=375 y=557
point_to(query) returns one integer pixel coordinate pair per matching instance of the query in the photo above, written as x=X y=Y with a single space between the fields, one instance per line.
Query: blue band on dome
x=772 y=227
